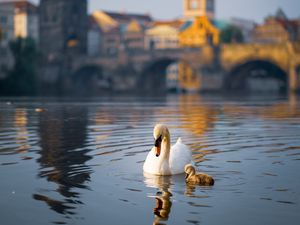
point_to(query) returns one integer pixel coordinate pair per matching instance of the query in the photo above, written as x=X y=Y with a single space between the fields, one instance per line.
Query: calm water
x=81 y=162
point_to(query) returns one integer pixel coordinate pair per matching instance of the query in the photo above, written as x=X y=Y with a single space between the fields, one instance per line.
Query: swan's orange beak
x=157 y=151
x=158 y=146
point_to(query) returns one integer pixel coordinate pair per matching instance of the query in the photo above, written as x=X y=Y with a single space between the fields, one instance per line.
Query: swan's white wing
x=180 y=155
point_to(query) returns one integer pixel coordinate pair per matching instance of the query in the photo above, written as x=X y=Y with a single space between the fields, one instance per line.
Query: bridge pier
x=294 y=79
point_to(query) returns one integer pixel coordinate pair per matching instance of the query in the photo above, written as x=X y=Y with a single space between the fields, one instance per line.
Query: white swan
x=164 y=160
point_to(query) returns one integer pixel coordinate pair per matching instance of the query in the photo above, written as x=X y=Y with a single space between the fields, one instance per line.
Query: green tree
x=231 y=34
x=22 y=80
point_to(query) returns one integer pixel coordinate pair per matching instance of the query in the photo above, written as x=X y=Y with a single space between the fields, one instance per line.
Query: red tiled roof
x=21 y=4
x=294 y=24
x=129 y=16
x=173 y=23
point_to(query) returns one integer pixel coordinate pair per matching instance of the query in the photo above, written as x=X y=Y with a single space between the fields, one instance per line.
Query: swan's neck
x=165 y=152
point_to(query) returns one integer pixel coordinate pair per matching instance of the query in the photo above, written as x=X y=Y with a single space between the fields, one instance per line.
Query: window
x=3 y=20
x=194 y=4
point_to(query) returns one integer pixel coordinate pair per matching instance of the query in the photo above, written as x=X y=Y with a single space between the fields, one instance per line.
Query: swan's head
x=160 y=133
x=189 y=170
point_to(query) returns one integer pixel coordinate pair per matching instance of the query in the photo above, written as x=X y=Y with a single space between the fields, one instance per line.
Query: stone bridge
x=224 y=67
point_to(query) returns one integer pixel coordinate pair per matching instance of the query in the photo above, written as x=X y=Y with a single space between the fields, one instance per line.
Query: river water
x=80 y=162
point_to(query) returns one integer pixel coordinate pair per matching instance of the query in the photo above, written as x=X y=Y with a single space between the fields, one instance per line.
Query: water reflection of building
x=62 y=155
x=288 y=109
x=198 y=118
x=21 y=122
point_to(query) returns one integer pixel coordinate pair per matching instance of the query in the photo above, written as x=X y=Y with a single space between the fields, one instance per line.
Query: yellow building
x=133 y=36
x=198 y=33
x=276 y=31
x=104 y=20
x=162 y=36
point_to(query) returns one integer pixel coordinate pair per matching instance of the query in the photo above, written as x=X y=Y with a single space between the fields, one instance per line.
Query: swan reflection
x=162 y=197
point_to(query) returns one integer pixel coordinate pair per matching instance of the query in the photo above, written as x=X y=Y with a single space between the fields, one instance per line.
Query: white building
x=161 y=37
x=94 y=38
x=246 y=26
x=18 y=18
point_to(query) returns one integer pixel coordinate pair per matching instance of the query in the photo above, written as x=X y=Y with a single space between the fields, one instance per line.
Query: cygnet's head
x=189 y=169
x=160 y=133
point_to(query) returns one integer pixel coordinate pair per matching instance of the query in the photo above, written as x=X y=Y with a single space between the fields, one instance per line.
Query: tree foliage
x=232 y=34
x=21 y=79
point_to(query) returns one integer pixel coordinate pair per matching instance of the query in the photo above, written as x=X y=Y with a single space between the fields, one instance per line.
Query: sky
x=169 y=9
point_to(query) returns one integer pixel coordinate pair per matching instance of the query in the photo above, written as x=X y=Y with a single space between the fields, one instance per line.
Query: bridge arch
x=153 y=78
x=257 y=75
x=89 y=79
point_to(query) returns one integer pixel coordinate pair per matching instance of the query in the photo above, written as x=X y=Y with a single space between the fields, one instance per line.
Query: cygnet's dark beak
x=186 y=175
x=157 y=145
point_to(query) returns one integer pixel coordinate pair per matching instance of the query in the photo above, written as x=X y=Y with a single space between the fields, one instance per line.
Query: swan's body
x=166 y=160
x=197 y=179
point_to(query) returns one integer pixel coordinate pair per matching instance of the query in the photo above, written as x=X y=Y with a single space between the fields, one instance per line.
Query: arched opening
x=167 y=75
x=89 y=80
x=257 y=76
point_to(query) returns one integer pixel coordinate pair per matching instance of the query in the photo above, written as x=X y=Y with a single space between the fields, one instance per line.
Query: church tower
x=195 y=8
x=63 y=27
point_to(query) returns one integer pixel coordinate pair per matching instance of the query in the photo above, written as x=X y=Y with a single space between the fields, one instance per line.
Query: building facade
x=6 y=23
x=121 y=31
x=26 y=20
x=276 y=31
x=196 y=8
x=163 y=35
x=18 y=19
x=112 y=42
x=63 y=27
x=198 y=33
x=94 y=38
x=133 y=36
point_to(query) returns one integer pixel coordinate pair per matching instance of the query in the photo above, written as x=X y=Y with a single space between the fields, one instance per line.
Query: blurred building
x=199 y=32
x=277 y=29
x=163 y=35
x=94 y=38
x=197 y=8
x=121 y=31
x=7 y=14
x=18 y=18
x=133 y=36
x=124 y=18
x=112 y=41
x=63 y=27
x=245 y=26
